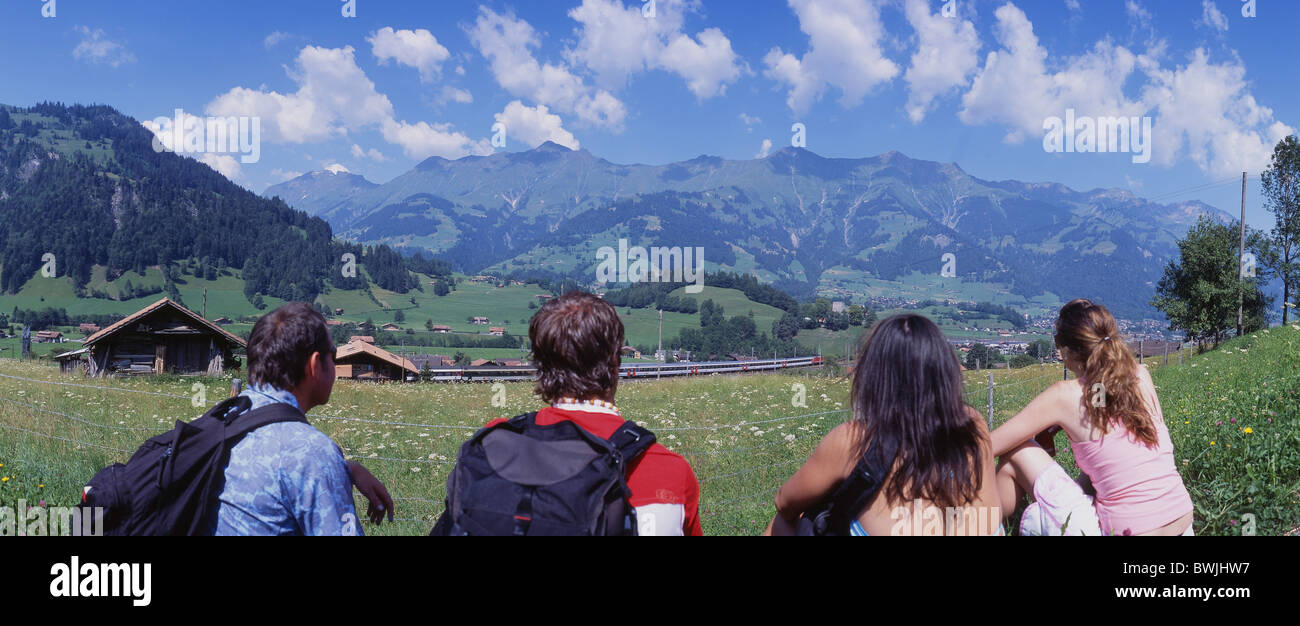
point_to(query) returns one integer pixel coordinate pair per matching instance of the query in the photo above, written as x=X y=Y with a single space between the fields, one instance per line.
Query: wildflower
x=1187 y=421
x=4 y=480
x=1218 y=423
x=1248 y=430
x=40 y=486
x=41 y=504
x=1232 y=522
x=1211 y=443
x=1233 y=420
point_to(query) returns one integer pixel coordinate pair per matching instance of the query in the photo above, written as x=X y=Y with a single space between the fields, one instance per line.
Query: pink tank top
x=1138 y=488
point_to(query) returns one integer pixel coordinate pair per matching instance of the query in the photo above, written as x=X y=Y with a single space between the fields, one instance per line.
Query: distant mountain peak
x=551 y=146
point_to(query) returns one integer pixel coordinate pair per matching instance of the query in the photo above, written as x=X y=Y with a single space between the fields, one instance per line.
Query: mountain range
x=868 y=229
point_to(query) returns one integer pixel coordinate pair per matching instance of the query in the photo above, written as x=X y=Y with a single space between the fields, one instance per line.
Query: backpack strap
x=272 y=413
x=631 y=440
x=858 y=490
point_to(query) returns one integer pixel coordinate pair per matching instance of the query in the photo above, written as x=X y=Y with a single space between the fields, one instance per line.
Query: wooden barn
x=162 y=337
x=359 y=360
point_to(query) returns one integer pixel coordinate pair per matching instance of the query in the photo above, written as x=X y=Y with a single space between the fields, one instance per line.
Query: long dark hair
x=1109 y=368
x=907 y=395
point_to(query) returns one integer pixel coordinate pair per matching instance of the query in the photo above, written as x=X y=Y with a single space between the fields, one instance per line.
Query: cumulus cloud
x=506 y=42
x=946 y=56
x=764 y=149
x=534 y=126
x=844 y=51
x=455 y=94
x=274 y=38
x=750 y=121
x=194 y=136
x=1212 y=17
x=360 y=153
x=1201 y=110
x=335 y=97
x=616 y=42
x=414 y=48
x=94 y=47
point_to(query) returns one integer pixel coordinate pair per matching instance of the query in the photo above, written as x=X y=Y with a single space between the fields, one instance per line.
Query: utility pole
x=661 y=334
x=205 y=303
x=1241 y=258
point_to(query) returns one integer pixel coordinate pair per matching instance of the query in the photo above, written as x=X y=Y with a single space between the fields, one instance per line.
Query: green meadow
x=1232 y=413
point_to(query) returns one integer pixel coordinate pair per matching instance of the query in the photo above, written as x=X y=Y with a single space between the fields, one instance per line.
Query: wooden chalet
x=366 y=338
x=162 y=337
x=390 y=327
x=440 y=328
x=497 y=331
x=363 y=361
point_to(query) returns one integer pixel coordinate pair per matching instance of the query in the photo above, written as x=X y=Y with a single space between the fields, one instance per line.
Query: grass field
x=1232 y=414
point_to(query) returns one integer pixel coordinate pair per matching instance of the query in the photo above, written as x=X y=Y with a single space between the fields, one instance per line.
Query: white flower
x=789 y=437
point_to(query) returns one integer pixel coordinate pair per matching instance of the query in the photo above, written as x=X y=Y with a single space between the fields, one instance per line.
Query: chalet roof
x=158 y=306
x=361 y=347
x=365 y=338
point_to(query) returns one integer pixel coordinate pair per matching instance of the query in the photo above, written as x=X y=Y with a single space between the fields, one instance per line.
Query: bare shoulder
x=979 y=418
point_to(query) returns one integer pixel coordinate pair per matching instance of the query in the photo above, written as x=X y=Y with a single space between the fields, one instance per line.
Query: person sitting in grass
x=906 y=397
x=290 y=478
x=1111 y=414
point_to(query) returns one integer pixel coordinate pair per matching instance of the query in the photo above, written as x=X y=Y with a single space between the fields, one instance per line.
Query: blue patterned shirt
x=286 y=479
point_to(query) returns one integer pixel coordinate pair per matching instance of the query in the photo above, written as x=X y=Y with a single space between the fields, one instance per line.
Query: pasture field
x=1232 y=412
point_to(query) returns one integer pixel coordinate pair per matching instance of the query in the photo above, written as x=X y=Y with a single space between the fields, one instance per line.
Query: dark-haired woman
x=1117 y=432
x=906 y=396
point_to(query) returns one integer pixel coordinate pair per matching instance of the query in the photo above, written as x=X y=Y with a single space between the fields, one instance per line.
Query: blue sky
x=402 y=81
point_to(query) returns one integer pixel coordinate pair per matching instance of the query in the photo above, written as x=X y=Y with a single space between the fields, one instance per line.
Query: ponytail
x=1113 y=393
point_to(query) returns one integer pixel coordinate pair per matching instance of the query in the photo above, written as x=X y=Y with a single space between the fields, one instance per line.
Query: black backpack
x=171 y=484
x=833 y=517
x=520 y=478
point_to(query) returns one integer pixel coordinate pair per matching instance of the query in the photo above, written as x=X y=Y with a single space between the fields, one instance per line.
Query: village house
x=391 y=327
x=89 y=328
x=440 y=328
x=359 y=360
x=480 y=320
x=497 y=331
x=49 y=336
x=162 y=337
x=363 y=338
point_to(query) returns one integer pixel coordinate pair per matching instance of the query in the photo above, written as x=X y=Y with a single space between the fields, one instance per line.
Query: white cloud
x=844 y=52
x=336 y=168
x=421 y=140
x=1206 y=110
x=455 y=94
x=274 y=38
x=1212 y=17
x=95 y=48
x=616 y=42
x=1073 y=6
x=505 y=41
x=750 y=121
x=415 y=48
x=946 y=56
x=335 y=97
x=1202 y=111
x=375 y=155
x=533 y=126
x=1016 y=88
x=224 y=164
x=764 y=149
x=283 y=175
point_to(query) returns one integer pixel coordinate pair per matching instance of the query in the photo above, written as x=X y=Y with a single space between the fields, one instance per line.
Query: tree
x=1198 y=291
x=1041 y=349
x=980 y=356
x=461 y=359
x=399 y=316
x=428 y=324
x=1281 y=187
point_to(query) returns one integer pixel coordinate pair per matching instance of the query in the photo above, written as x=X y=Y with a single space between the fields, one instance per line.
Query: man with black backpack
x=252 y=465
x=576 y=467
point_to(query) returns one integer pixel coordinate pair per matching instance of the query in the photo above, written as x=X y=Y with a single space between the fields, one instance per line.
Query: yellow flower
x=1187 y=421
x=40 y=486
x=4 y=480
x=1211 y=443
x=1247 y=430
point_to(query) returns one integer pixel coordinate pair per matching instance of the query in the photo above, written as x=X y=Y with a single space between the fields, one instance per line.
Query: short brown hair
x=283 y=341
x=577 y=340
